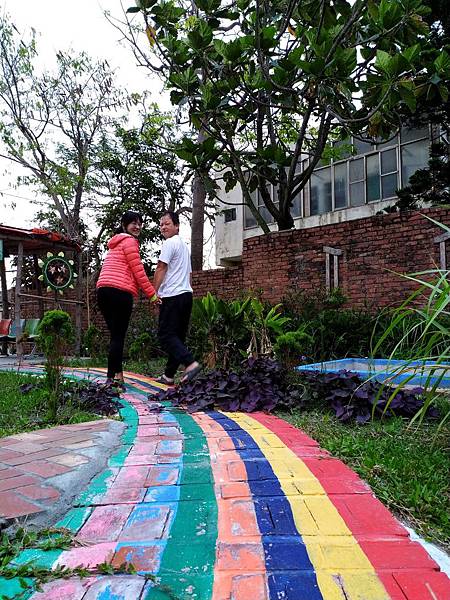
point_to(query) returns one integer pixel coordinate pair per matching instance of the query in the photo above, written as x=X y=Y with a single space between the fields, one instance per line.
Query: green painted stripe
x=76 y=517
x=187 y=565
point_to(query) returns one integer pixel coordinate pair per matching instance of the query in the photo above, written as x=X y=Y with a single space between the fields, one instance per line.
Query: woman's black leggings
x=115 y=306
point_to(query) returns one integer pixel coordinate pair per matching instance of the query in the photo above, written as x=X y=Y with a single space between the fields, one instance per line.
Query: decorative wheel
x=57 y=272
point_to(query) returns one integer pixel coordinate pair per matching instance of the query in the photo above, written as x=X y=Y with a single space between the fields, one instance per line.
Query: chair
x=30 y=332
x=31 y=328
x=12 y=330
x=5 y=325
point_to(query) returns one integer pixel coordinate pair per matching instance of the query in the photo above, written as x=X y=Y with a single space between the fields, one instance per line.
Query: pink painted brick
x=132 y=476
x=145 y=447
x=146 y=430
x=120 y=495
x=13 y=506
x=125 y=587
x=105 y=523
x=45 y=469
x=145 y=559
x=65 y=589
x=146 y=522
x=160 y=475
x=87 y=556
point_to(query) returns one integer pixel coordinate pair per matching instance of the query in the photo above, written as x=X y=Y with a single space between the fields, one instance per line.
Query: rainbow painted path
x=232 y=507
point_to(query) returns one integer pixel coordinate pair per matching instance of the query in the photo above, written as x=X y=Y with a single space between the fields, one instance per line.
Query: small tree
x=55 y=335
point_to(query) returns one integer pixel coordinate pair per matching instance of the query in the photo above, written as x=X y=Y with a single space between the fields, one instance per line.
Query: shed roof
x=35 y=241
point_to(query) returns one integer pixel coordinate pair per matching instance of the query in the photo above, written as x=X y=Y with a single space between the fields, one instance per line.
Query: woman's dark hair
x=128 y=217
x=173 y=215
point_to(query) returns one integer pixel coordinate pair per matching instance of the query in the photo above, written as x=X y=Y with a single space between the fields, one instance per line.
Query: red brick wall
x=372 y=248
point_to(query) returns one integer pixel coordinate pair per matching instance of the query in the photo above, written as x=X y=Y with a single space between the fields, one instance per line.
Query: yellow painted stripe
x=342 y=568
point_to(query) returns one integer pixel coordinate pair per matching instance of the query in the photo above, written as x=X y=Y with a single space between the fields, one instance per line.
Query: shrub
x=353 y=398
x=222 y=333
x=144 y=347
x=55 y=335
x=94 y=342
x=290 y=348
x=258 y=386
x=143 y=322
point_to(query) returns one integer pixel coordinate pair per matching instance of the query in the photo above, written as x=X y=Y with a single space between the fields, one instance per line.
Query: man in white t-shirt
x=172 y=282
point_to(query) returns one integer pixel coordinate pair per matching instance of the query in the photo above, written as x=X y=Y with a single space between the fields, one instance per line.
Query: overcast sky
x=60 y=25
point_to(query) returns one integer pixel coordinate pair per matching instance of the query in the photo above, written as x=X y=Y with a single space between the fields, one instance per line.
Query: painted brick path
x=232 y=507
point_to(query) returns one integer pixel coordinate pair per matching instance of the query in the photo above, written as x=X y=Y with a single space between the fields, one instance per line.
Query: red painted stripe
x=404 y=566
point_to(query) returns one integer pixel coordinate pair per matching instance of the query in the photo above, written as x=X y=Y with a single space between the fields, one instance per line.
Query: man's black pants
x=115 y=306
x=174 y=315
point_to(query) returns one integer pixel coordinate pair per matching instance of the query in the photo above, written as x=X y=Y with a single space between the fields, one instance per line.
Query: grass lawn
x=24 y=412
x=407 y=468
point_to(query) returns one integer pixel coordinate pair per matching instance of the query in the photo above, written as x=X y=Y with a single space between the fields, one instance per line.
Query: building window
x=373 y=174
x=321 y=198
x=249 y=219
x=229 y=215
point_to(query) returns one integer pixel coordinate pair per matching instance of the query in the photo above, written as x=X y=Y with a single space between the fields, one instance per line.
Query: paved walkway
x=231 y=507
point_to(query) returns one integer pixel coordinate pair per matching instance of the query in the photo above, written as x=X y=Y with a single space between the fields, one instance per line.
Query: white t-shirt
x=177 y=257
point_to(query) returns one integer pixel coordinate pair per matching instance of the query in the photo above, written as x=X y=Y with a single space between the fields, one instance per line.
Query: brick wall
x=371 y=248
x=281 y=261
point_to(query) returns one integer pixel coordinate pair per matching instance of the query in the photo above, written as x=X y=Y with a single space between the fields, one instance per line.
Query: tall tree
x=137 y=169
x=51 y=123
x=281 y=76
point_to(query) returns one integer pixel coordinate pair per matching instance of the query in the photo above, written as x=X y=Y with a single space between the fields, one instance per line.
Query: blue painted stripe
x=290 y=573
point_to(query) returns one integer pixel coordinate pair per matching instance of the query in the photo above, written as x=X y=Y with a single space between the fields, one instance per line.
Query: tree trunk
x=197 y=226
x=78 y=307
x=285 y=222
x=5 y=303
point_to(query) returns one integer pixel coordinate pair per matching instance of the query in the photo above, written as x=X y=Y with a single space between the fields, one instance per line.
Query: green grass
x=407 y=468
x=25 y=412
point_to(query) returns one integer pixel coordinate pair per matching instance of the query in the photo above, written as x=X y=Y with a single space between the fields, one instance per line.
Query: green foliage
x=32 y=577
x=144 y=347
x=424 y=320
x=138 y=170
x=52 y=121
x=218 y=333
x=290 y=68
x=141 y=342
x=94 y=342
x=55 y=336
x=290 y=347
x=29 y=411
x=223 y=332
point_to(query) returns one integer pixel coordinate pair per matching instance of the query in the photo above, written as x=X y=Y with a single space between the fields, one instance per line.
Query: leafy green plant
x=218 y=330
x=263 y=325
x=55 y=335
x=424 y=319
x=144 y=347
x=94 y=342
x=290 y=347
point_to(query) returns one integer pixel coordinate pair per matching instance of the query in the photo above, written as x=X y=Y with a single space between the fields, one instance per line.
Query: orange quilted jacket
x=123 y=268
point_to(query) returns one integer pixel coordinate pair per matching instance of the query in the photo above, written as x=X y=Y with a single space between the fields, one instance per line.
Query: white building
x=341 y=190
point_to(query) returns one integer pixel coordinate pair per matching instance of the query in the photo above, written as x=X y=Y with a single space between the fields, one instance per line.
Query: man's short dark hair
x=173 y=216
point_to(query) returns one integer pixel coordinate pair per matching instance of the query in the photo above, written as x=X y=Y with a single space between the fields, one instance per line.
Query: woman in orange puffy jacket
x=121 y=277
